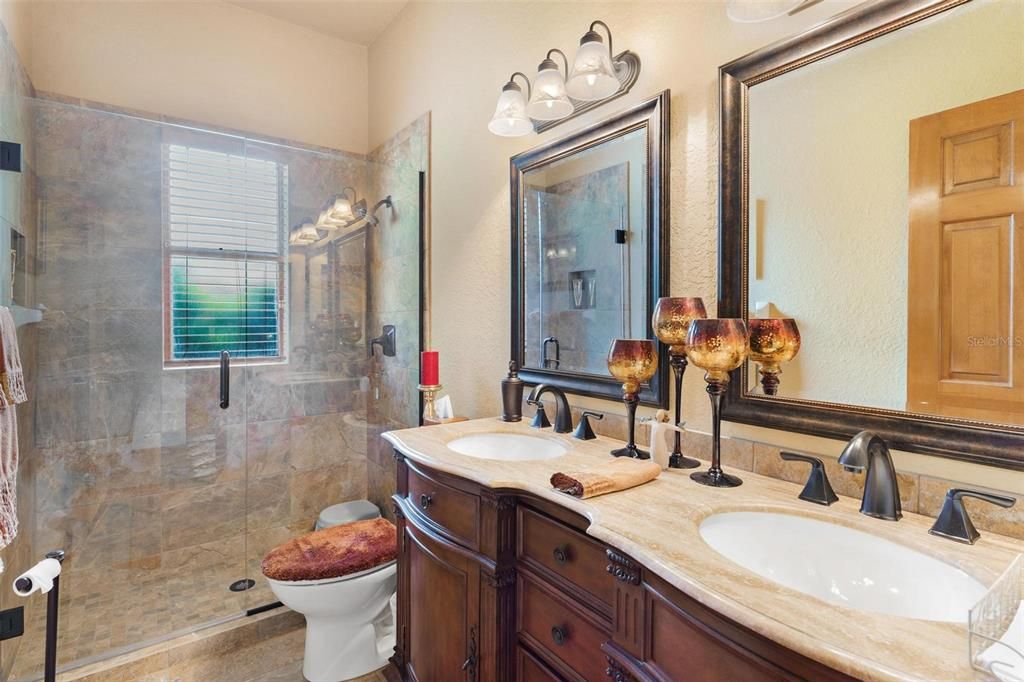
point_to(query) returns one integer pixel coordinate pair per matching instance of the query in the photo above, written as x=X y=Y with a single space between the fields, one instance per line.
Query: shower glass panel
x=137 y=472
x=153 y=247
x=306 y=423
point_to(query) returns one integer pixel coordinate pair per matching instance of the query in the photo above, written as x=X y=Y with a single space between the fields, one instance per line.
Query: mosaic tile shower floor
x=102 y=618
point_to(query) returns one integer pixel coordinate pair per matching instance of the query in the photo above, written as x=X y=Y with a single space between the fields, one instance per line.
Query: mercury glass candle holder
x=772 y=342
x=671 y=322
x=718 y=347
x=632 y=361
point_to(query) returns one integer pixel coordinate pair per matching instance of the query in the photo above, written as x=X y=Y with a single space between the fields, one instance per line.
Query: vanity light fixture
x=510 y=119
x=549 y=102
x=593 y=75
x=305 y=233
x=559 y=94
x=342 y=211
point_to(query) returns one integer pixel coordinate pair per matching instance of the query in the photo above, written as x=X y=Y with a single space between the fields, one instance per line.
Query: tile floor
x=293 y=673
x=96 y=620
x=263 y=648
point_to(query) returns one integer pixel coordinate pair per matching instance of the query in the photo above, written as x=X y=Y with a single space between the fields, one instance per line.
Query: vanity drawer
x=547 y=624
x=530 y=669
x=570 y=555
x=457 y=513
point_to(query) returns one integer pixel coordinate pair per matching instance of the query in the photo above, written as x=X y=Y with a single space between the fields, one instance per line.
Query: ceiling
x=357 y=21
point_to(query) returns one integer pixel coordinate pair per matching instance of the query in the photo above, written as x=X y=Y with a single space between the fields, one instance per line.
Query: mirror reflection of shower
x=342 y=212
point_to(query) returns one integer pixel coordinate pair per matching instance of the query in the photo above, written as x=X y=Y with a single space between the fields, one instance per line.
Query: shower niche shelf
x=23 y=315
x=582 y=287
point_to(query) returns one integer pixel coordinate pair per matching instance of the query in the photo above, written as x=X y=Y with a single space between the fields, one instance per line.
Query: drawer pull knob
x=426 y=500
x=559 y=635
x=561 y=554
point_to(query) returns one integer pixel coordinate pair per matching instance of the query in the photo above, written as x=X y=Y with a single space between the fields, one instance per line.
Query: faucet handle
x=540 y=420
x=817 y=489
x=583 y=430
x=953 y=522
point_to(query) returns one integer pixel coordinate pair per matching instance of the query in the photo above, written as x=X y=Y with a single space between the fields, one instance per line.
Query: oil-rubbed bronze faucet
x=817 y=489
x=954 y=523
x=563 y=417
x=868 y=453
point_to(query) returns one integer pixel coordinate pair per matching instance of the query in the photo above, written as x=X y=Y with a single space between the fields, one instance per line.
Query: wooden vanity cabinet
x=502 y=586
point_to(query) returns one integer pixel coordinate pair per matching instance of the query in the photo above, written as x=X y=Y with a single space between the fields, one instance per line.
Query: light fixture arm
x=598 y=22
x=565 y=60
x=386 y=201
x=529 y=89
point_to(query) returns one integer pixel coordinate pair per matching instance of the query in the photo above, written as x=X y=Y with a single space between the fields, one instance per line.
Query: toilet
x=347 y=512
x=342 y=578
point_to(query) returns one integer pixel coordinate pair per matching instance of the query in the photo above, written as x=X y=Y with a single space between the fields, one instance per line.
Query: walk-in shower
x=150 y=248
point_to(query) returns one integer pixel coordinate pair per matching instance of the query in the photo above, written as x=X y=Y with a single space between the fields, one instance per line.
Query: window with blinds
x=225 y=256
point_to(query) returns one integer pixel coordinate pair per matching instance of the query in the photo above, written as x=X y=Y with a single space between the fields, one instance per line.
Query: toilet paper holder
x=45 y=577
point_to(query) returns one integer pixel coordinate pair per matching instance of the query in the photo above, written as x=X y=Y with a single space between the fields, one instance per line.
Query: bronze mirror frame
x=652 y=115
x=961 y=439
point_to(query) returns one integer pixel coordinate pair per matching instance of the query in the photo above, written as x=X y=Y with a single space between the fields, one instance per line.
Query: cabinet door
x=443 y=607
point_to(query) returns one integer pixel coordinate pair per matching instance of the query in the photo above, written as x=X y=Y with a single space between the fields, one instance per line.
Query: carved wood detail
x=616 y=672
x=623 y=568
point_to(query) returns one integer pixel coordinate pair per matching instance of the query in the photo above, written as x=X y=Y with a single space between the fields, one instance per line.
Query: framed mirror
x=870 y=192
x=589 y=250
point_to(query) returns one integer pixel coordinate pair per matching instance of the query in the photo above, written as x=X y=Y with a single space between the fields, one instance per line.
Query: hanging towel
x=12 y=378
x=12 y=392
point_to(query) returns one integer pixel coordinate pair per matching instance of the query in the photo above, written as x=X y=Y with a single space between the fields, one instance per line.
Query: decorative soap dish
x=996 y=627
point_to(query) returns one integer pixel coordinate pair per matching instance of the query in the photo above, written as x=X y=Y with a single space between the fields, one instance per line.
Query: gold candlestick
x=429 y=395
x=671 y=322
x=718 y=347
x=772 y=342
x=632 y=361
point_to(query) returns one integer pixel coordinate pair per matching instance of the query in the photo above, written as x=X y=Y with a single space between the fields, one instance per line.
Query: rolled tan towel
x=610 y=477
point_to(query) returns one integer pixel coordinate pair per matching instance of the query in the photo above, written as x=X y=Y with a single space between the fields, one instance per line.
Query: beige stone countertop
x=657 y=524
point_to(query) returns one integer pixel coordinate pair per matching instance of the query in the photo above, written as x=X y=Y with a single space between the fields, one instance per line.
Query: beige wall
x=841 y=193
x=16 y=16
x=452 y=58
x=205 y=61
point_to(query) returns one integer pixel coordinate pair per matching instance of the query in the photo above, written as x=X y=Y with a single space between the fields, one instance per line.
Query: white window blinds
x=225 y=251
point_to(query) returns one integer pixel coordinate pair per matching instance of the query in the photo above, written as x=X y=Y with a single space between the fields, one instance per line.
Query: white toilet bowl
x=350 y=625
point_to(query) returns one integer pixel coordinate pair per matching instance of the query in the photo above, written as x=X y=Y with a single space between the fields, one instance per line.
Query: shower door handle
x=225 y=379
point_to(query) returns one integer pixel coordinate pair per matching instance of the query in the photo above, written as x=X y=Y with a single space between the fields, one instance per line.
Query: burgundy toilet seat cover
x=333 y=552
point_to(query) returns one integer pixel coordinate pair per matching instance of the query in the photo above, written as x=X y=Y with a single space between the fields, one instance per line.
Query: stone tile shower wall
x=394 y=254
x=160 y=498
x=576 y=220
x=18 y=214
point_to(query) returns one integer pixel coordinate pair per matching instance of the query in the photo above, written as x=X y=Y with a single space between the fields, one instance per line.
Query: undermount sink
x=843 y=566
x=510 y=447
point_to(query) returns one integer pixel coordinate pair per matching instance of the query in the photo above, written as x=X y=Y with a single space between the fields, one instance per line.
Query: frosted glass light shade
x=341 y=211
x=510 y=119
x=592 y=76
x=307 y=234
x=549 y=101
x=325 y=221
x=754 y=11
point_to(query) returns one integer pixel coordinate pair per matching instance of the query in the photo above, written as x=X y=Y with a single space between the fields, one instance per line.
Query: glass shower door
x=131 y=465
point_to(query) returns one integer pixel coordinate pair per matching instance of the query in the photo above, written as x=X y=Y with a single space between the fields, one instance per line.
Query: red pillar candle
x=428 y=368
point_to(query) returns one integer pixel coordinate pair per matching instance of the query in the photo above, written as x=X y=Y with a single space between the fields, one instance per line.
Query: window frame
x=168 y=252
